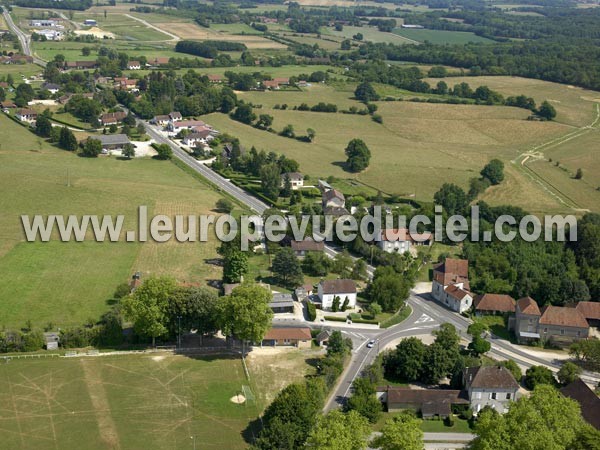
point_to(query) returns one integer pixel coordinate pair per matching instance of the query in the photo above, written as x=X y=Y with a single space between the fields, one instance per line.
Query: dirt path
x=106 y=425
x=174 y=37
x=536 y=153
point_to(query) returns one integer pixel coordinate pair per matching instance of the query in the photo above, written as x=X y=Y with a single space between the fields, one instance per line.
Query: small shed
x=52 y=339
x=282 y=303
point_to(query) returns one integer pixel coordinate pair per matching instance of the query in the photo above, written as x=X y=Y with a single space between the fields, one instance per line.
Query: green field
x=135 y=401
x=370 y=34
x=67 y=283
x=418 y=147
x=440 y=36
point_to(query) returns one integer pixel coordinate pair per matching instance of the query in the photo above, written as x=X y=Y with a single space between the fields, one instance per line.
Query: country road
x=24 y=39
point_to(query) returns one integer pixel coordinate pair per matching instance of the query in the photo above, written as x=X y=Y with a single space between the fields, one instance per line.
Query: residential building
x=560 y=325
x=303 y=292
x=450 y=284
x=215 y=78
x=591 y=312
x=296 y=179
x=333 y=198
x=112 y=118
x=162 y=120
x=80 y=65
x=112 y=141
x=343 y=289
x=282 y=303
x=430 y=403
x=587 y=399
x=494 y=304
x=301 y=248
x=270 y=84
x=8 y=104
x=295 y=337
x=158 y=61
x=492 y=386
x=51 y=87
x=175 y=116
x=335 y=211
x=134 y=65
x=284 y=81
x=401 y=240
x=176 y=126
x=26 y=115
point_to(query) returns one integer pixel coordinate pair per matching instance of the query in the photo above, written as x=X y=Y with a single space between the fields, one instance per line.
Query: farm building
x=494 y=304
x=294 y=337
x=301 y=248
x=282 y=303
x=26 y=115
x=431 y=403
x=112 y=141
x=112 y=118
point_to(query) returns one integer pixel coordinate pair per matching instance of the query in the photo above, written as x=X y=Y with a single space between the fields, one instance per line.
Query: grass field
x=17 y=70
x=370 y=34
x=284 y=71
x=133 y=401
x=418 y=147
x=67 y=283
x=440 y=36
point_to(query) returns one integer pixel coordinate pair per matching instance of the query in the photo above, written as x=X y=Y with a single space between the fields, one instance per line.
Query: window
x=508 y=396
x=545 y=329
x=530 y=320
x=578 y=333
x=493 y=396
x=562 y=332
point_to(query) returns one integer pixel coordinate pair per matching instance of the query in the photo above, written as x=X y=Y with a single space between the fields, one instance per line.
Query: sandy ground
x=141 y=149
x=425 y=338
x=239 y=399
x=96 y=32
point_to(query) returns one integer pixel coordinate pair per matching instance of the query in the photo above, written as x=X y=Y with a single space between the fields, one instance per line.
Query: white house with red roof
x=401 y=240
x=450 y=284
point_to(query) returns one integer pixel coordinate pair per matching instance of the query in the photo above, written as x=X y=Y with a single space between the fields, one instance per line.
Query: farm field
x=418 y=147
x=371 y=34
x=18 y=70
x=283 y=71
x=440 y=36
x=157 y=401
x=81 y=277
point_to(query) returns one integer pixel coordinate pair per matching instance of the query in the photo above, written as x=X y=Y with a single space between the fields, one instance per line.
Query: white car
x=371 y=343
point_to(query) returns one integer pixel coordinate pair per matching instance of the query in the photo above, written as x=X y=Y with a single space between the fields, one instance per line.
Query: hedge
x=312 y=311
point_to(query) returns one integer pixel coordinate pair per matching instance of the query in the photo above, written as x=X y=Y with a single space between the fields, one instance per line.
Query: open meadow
x=440 y=36
x=154 y=401
x=418 y=147
x=68 y=282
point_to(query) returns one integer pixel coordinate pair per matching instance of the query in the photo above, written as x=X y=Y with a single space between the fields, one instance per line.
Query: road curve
x=24 y=39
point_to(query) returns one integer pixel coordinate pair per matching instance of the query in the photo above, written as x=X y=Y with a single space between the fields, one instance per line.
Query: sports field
x=155 y=401
x=67 y=283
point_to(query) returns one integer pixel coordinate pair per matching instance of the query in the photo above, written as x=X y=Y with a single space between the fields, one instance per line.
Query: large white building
x=401 y=241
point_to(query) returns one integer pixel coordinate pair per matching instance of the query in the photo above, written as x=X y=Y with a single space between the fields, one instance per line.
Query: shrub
x=311 y=309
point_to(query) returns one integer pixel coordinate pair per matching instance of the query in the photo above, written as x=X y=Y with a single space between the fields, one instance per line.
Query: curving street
x=24 y=39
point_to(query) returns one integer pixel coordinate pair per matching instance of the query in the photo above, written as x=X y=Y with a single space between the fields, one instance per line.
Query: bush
x=311 y=309
x=335 y=318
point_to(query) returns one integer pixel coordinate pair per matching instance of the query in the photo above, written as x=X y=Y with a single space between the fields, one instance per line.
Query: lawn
x=440 y=36
x=20 y=70
x=371 y=34
x=496 y=324
x=67 y=283
x=135 y=401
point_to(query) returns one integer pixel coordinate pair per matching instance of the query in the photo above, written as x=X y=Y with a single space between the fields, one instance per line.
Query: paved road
x=24 y=39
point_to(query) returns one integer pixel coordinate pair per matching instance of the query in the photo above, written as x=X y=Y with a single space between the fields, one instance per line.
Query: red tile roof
x=494 y=302
x=568 y=317
x=451 y=271
x=308 y=245
x=589 y=310
x=527 y=305
x=457 y=292
x=288 y=333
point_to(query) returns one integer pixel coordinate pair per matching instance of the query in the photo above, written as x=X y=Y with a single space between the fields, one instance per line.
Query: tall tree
x=452 y=198
x=339 y=431
x=286 y=268
x=402 y=432
x=147 y=306
x=245 y=314
x=365 y=92
x=358 y=155
x=494 y=171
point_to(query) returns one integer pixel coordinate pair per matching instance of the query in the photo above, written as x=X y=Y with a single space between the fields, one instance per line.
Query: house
x=296 y=179
x=282 y=303
x=301 y=248
x=134 y=65
x=587 y=399
x=80 y=65
x=215 y=78
x=128 y=85
x=591 y=312
x=112 y=118
x=175 y=116
x=176 y=126
x=90 y=22
x=492 y=386
x=158 y=61
x=431 y=403
x=494 y=304
x=284 y=81
x=335 y=211
x=323 y=338
x=7 y=104
x=202 y=136
x=343 y=289
x=450 y=284
x=26 y=115
x=303 y=292
x=162 y=120
x=52 y=339
x=292 y=336
x=51 y=87
x=324 y=186
x=401 y=240
x=561 y=325
x=333 y=197
x=112 y=141
x=270 y=84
